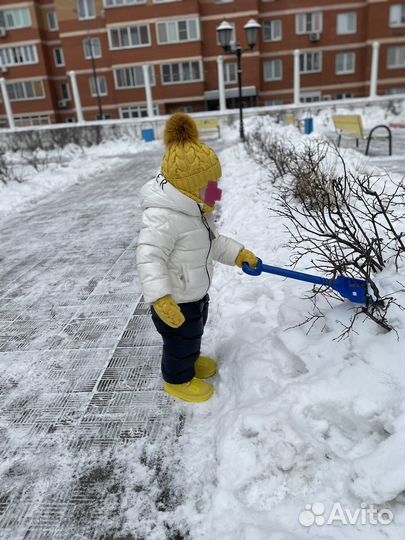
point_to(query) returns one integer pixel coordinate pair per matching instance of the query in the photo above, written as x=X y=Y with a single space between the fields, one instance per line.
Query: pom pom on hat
x=180 y=129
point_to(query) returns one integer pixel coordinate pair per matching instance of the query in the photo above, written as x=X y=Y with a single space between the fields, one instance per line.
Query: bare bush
x=7 y=172
x=270 y=152
x=32 y=148
x=345 y=223
x=305 y=166
x=311 y=178
x=66 y=136
x=38 y=148
x=56 y=138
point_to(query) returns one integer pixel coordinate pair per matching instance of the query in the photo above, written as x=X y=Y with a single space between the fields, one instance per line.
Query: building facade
x=107 y=43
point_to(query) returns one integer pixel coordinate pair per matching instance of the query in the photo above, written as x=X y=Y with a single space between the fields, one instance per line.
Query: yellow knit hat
x=188 y=163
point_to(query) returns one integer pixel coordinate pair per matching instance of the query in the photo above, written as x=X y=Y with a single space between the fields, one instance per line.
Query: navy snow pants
x=181 y=346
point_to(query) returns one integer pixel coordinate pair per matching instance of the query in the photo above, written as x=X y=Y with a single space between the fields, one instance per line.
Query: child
x=177 y=244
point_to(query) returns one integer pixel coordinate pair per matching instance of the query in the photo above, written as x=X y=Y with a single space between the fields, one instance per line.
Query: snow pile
x=60 y=168
x=123 y=146
x=373 y=115
x=297 y=418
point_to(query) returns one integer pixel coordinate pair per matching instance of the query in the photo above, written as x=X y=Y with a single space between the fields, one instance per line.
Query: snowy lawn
x=297 y=418
x=59 y=169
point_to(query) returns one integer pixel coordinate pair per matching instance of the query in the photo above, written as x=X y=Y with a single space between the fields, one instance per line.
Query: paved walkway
x=79 y=370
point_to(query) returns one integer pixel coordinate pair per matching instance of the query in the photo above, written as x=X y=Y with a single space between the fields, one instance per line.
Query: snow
x=60 y=169
x=372 y=480
x=372 y=115
x=297 y=418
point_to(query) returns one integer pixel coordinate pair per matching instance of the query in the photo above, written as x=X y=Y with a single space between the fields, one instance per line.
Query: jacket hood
x=159 y=193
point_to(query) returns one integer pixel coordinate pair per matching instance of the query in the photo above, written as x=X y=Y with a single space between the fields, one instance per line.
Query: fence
x=88 y=133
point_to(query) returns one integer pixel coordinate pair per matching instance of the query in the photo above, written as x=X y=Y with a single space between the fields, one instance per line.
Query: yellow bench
x=350 y=126
x=209 y=126
x=292 y=120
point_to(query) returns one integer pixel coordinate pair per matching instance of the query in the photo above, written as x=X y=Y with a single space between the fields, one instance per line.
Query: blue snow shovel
x=352 y=289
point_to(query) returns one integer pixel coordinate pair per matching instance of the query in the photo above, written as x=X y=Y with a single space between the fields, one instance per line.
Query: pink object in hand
x=212 y=194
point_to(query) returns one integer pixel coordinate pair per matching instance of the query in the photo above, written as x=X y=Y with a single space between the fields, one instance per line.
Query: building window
x=310 y=97
x=393 y=91
x=20 y=91
x=272 y=31
x=345 y=95
x=272 y=102
x=15 y=18
x=101 y=86
x=137 y=111
x=345 y=63
x=59 y=57
x=396 y=57
x=273 y=70
x=311 y=62
x=92 y=48
x=130 y=36
x=346 y=23
x=86 y=9
x=230 y=73
x=182 y=72
x=116 y=3
x=53 y=21
x=65 y=91
x=306 y=23
x=33 y=120
x=186 y=108
x=132 y=77
x=178 y=31
x=397 y=15
x=18 y=56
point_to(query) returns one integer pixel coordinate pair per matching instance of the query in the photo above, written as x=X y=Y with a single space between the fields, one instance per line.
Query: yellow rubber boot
x=205 y=367
x=194 y=391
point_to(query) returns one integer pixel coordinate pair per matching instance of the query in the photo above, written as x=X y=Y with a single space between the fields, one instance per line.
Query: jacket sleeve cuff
x=226 y=250
x=155 y=289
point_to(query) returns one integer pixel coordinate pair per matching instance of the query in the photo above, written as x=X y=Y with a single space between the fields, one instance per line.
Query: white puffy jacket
x=177 y=244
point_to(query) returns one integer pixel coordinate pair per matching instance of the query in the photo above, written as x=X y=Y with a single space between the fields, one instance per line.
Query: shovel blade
x=352 y=289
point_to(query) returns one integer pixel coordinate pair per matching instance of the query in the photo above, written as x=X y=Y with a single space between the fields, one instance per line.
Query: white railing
x=229 y=115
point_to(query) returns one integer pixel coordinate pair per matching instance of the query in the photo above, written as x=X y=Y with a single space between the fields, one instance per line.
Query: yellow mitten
x=246 y=256
x=169 y=311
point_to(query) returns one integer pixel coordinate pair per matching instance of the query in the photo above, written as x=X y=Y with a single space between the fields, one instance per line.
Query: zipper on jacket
x=211 y=236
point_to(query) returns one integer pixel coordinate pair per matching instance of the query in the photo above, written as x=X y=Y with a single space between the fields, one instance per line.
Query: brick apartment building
x=109 y=41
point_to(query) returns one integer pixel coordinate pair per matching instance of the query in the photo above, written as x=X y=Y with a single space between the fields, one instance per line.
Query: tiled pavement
x=80 y=392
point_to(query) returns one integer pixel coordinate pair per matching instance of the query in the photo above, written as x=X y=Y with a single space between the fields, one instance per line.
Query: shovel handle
x=253 y=271
x=284 y=273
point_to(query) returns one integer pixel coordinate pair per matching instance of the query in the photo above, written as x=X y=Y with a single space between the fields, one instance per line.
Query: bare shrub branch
x=339 y=222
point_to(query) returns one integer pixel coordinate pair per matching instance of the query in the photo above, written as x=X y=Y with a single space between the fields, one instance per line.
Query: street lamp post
x=224 y=31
